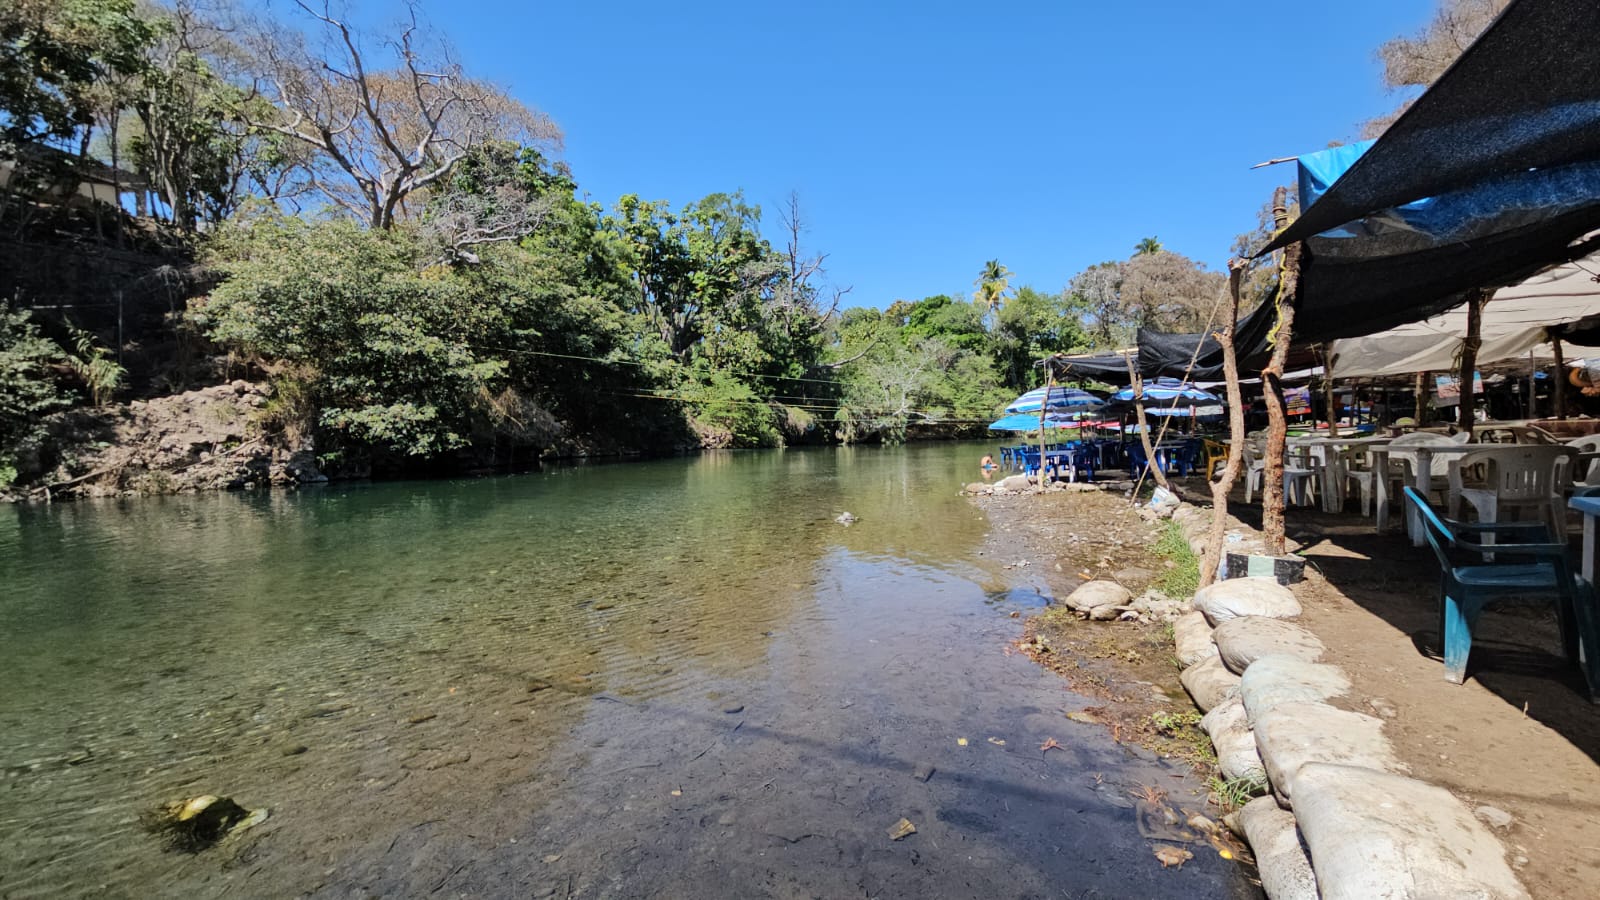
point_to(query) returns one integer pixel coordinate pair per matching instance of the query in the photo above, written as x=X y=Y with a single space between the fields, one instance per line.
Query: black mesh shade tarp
x=1525 y=95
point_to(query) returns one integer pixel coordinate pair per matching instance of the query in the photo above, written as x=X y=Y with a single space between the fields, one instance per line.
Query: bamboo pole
x=1211 y=561
x=1272 y=386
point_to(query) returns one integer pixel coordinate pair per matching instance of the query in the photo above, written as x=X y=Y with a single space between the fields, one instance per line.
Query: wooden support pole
x=1211 y=561
x=1144 y=427
x=1329 y=396
x=1558 y=388
x=1272 y=386
x=1044 y=407
x=1420 y=392
x=1469 y=357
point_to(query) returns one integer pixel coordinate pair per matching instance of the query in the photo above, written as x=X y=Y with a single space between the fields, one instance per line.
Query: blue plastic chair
x=1465 y=590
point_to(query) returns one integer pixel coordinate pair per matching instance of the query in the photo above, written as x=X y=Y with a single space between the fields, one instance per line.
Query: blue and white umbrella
x=1171 y=397
x=1062 y=400
x=1023 y=422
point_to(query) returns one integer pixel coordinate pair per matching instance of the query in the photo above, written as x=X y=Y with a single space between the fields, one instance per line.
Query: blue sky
x=924 y=138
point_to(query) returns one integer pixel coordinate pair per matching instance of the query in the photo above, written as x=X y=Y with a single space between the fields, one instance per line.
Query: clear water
x=494 y=687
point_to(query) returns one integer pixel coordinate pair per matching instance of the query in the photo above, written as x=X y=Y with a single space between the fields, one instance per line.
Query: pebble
x=1495 y=817
x=295 y=750
x=923 y=772
x=733 y=708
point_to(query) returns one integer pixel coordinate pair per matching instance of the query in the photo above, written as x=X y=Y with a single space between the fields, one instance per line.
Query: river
x=678 y=678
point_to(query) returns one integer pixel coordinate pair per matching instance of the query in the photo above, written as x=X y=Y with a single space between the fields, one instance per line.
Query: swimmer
x=987 y=465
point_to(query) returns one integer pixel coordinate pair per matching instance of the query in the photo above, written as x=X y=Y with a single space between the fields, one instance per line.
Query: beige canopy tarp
x=1514 y=322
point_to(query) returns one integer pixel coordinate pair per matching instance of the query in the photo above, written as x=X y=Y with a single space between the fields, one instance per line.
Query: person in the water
x=987 y=465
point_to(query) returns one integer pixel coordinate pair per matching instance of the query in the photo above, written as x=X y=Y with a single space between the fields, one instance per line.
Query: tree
x=992 y=284
x=1169 y=291
x=28 y=390
x=383 y=126
x=1097 y=292
x=1033 y=325
x=1147 y=247
x=53 y=55
x=1416 y=62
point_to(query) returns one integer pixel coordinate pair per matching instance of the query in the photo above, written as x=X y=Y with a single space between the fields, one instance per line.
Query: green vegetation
x=1182 y=579
x=1234 y=792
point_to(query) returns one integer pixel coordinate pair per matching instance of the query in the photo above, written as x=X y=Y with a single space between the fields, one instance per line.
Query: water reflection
x=279 y=646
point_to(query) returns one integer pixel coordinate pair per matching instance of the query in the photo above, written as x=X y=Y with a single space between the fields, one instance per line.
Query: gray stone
x=1494 y=817
x=1245 y=639
x=1192 y=636
x=1375 y=836
x=1015 y=484
x=1272 y=680
x=1209 y=683
x=1293 y=735
x=1236 y=597
x=1280 y=859
x=1092 y=595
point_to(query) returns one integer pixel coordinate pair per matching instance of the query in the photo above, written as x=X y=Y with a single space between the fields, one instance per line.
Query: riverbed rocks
x=1099 y=599
x=198 y=823
x=1246 y=597
x=1245 y=639
x=1014 y=484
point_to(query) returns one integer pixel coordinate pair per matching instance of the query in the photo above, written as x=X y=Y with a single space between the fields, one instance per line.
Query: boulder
x=1192 y=636
x=1245 y=639
x=1096 y=595
x=1236 y=597
x=1236 y=747
x=1376 y=836
x=1280 y=859
x=1293 y=735
x=1273 y=680
x=1210 y=683
x=1015 y=483
x=977 y=487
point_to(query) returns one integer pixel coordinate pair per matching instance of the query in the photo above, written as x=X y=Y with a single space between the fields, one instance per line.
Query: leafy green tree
x=397 y=353
x=1032 y=326
x=1147 y=247
x=28 y=389
x=53 y=55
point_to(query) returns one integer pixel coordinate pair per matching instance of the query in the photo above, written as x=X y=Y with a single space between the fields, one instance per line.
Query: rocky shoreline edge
x=1333 y=812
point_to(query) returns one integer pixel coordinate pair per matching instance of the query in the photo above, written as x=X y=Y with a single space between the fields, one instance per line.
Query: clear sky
x=925 y=138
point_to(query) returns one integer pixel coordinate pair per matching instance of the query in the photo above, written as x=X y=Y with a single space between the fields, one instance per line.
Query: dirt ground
x=1520 y=735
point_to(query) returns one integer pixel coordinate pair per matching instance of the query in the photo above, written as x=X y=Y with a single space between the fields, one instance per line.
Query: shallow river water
x=666 y=679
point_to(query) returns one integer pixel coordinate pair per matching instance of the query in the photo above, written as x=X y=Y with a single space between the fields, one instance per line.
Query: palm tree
x=992 y=284
x=1149 y=246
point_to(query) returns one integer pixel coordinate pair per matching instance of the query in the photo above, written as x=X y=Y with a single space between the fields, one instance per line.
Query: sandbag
x=1093 y=595
x=1209 y=682
x=1291 y=735
x=1375 y=836
x=1192 y=637
x=1236 y=597
x=1236 y=745
x=1272 y=680
x=1245 y=639
x=1280 y=859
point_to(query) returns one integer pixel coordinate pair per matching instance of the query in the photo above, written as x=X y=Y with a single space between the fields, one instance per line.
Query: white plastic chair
x=1586 y=475
x=1357 y=469
x=1302 y=478
x=1520 y=477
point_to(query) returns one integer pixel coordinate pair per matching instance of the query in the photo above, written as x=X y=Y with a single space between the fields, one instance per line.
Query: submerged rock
x=194 y=825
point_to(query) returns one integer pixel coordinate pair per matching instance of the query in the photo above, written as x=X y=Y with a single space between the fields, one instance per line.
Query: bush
x=28 y=389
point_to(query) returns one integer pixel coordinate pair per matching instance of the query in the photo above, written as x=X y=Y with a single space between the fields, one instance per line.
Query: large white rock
x=1093 y=595
x=1375 y=836
x=1210 y=683
x=1191 y=635
x=1280 y=859
x=1236 y=597
x=1236 y=745
x=1272 y=680
x=1015 y=484
x=1292 y=735
x=1244 y=640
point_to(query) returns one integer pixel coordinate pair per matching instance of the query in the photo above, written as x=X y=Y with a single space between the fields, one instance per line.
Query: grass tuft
x=1183 y=579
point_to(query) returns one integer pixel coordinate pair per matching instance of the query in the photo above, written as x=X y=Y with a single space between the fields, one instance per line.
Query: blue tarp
x=1029 y=422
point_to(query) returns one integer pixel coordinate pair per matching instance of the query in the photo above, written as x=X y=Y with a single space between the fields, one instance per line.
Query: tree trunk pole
x=1272 y=386
x=1469 y=358
x=1144 y=428
x=1044 y=407
x=1420 y=392
x=1211 y=561
x=1558 y=390
x=1331 y=398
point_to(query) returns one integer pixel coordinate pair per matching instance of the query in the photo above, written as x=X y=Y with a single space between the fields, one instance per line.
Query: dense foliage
x=393 y=243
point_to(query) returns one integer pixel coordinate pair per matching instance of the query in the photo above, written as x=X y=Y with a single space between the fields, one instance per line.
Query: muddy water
x=672 y=679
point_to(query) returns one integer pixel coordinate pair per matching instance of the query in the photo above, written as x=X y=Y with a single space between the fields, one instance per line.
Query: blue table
x=1590 y=507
